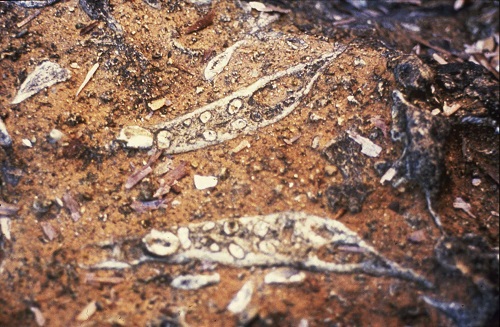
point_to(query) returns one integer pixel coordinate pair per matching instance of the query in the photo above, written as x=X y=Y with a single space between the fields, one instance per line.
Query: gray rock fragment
x=100 y=10
x=200 y=2
x=480 y=314
x=413 y=75
x=423 y=137
x=35 y=3
x=156 y=4
x=46 y=74
x=5 y=139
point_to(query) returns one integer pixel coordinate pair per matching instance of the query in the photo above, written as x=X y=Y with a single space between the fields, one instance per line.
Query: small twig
x=87 y=78
x=182 y=69
x=344 y=21
x=480 y=58
x=29 y=18
x=418 y=39
x=203 y=23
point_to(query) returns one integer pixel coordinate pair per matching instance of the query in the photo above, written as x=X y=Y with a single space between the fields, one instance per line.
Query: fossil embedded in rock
x=161 y=243
x=194 y=282
x=217 y=64
x=292 y=239
x=236 y=113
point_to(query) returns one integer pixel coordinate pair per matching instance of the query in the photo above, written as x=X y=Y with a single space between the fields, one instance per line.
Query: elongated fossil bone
x=293 y=239
x=239 y=113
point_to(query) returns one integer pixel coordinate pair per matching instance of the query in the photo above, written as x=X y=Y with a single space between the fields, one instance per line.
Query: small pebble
x=417 y=236
x=204 y=182
x=55 y=135
x=87 y=312
x=5 y=227
x=27 y=143
x=314 y=117
x=330 y=170
x=315 y=142
x=476 y=181
x=435 y=112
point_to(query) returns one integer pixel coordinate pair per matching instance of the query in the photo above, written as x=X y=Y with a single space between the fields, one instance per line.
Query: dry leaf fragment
x=481 y=59
x=29 y=18
x=367 y=146
x=378 y=122
x=449 y=110
x=137 y=176
x=91 y=278
x=87 y=78
x=176 y=174
x=417 y=236
x=7 y=209
x=163 y=167
x=87 y=29
x=440 y=60
x=243 y=144
x=259 y=6
x=459 y=203
x=143 y=206
x=292 y=140
x=73 y=206
x=162 y=190
x=48 y=230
